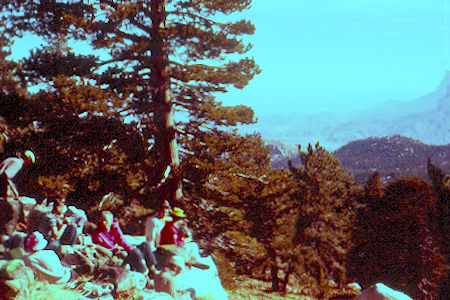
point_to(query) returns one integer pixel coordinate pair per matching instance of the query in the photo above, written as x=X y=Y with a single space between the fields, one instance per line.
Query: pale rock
x=27 y=203
x=354 y=286
x=152 y=295
x=381 y=292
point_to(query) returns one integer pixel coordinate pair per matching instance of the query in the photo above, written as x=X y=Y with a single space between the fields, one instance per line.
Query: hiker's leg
x=6 y=214
x=192 y=293
x=55 y=246
x=69 y=235
x=4 y=186
x=16 y=241
x=192 y=255
x=148 y=254
x=160 y=257
x=136 y=261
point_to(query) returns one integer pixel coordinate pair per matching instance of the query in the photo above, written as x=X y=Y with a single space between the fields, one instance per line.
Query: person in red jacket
x=109 y=235
x=171 y=234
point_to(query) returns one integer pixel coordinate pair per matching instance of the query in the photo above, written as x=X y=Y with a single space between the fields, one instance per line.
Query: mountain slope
x=425 y=119
x=392 y=157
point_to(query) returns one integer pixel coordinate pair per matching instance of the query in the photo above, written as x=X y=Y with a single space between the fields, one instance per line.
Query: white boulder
x=381 y=292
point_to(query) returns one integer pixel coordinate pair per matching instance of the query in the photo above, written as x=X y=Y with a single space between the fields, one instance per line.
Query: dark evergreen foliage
x=440 y=220
x=393 y=244
x=154 y=48
x=327 y=198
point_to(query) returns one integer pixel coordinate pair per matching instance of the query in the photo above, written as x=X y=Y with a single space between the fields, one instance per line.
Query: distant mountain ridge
x=392 y=157
x=425 y=119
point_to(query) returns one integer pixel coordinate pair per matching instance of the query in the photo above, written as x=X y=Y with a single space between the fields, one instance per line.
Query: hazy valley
x=424 y=119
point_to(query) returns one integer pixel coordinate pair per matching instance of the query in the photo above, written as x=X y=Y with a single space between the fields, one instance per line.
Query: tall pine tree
x=163 y=56
x=327 y=198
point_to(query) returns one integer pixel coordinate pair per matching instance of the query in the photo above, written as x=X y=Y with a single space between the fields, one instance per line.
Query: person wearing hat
x=184 y=246
x=10 y=208
x=170 y=234
x=45 y=263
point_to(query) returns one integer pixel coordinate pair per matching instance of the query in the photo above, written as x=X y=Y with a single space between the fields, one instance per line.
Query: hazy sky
x=341 y=54
x=344 y=54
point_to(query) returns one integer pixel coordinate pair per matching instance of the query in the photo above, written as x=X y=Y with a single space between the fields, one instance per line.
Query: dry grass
x=46 y=291
x=256 y=289
x=246 y=289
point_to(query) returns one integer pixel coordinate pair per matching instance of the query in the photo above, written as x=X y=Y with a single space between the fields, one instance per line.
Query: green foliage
x=54 y=60
x=238 y=203
x=327 y=198
x=217 y=180
x=439 y=220
x=153 y=48
x=393 y=244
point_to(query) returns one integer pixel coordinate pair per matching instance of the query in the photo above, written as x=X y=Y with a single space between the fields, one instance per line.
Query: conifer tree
x=163 y=55
x=398 y=249
x=440 y=220
x=360 y=259
x=327 y=198
x=8 y=85
x=373 y=189
x=240 y=206
x=80 y=143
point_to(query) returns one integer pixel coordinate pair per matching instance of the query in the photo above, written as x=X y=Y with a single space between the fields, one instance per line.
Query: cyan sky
x=344 y=54
x=340 y=54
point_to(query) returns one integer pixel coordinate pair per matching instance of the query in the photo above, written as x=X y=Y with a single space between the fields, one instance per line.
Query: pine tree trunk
x=165 y=138
x=275 y=279
x=274 y=271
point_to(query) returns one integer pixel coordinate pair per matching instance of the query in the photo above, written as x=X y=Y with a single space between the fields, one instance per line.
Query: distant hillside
x=426 y=119
x=281 y=153
x=392 y=157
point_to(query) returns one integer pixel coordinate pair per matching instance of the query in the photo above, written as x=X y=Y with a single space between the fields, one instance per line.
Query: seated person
x=45 y=263
x=171 y=233
x=168 y=281
x=57 y=228
x=174 y=233
x=109 y=235
x=51 y=220
x=155 y=224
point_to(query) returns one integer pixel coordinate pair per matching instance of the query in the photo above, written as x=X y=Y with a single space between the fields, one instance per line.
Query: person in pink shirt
x=109 y=235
